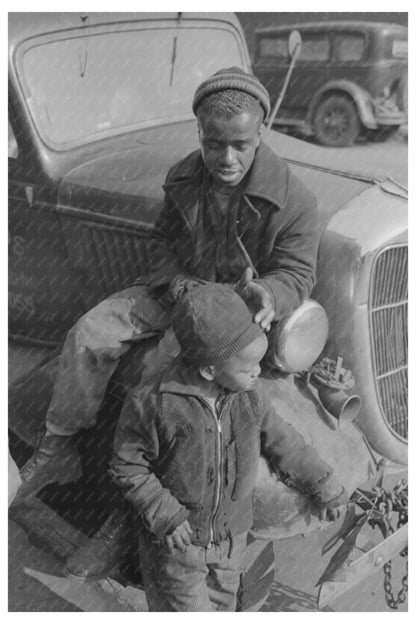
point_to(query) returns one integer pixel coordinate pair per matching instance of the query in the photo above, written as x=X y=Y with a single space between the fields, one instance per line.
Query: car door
x=42 y=285
x=272 y=63
x=309 y=74
x=311 y=71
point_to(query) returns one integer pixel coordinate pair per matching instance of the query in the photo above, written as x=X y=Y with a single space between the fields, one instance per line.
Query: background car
x=350 y=78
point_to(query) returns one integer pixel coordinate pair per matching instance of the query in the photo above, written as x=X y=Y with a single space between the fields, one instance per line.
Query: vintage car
x=99 y=109
x=350 y=78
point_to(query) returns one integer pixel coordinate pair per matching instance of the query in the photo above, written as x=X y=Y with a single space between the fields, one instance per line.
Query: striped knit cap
x=212 y=324
x=233 y=78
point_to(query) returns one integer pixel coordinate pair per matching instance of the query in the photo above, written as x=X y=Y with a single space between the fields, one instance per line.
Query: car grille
x=388 y=322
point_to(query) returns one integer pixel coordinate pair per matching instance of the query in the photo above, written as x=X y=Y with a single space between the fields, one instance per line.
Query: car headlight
x=298 y=339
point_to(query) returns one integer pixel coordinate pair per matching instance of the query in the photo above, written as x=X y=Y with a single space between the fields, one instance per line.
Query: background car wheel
x=336 y=121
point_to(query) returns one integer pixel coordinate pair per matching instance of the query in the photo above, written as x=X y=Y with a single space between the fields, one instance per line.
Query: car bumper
x=387 y=113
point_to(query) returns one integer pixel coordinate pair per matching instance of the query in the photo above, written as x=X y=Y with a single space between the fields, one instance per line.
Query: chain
x=383 y=504
x=393 y=602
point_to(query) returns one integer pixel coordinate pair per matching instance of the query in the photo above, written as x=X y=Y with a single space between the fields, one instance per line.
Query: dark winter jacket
x=176 y=459
x=275 y=230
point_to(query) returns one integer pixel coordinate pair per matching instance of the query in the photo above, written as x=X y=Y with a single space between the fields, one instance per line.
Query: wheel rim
x=336 y=123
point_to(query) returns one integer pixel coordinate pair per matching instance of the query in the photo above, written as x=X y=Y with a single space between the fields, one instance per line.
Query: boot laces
x=34 y=460
x=38 y=455
x=111 y=527
x=113 y=532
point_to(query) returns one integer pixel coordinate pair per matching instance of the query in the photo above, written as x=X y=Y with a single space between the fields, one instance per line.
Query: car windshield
x=80 y=88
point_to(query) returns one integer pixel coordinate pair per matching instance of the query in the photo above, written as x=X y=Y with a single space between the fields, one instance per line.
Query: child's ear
x=207 y=372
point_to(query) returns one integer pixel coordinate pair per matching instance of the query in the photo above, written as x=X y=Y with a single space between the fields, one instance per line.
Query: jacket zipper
x=218 y=484
x=219 y=472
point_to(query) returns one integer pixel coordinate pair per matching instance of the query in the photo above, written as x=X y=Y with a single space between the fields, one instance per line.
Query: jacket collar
x=267 y=179
x=179 y=378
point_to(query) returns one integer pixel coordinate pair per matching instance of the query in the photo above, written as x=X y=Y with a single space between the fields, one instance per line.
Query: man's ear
x=259 y=134
x=207 y=372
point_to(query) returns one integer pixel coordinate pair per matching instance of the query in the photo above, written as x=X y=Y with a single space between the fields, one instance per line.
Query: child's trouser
x=198 y=579
x=92 y=350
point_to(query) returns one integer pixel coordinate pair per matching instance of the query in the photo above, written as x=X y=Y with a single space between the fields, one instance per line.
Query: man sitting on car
x=233 y=213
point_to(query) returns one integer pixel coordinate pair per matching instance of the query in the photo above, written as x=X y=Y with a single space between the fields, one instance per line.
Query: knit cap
x=212 y=324
x=233 y=78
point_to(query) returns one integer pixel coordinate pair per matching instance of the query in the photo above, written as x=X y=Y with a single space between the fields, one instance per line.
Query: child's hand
x=331 y=513
x=180 y=537
x=334 y=508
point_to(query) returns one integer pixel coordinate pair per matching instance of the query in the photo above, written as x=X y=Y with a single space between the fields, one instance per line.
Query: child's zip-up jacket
x=176 y=457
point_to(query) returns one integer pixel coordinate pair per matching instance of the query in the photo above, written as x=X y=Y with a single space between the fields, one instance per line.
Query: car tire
x=336 y=122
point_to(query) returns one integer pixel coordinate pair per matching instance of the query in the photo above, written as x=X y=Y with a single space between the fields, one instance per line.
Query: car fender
x=281 y=511
x=360 y=96
x=353 y=239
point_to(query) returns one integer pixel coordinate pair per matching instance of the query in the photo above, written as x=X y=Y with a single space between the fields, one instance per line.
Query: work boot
x=103 y=552
x=55 y=460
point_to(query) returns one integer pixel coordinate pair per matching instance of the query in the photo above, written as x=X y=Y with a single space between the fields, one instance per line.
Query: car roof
x=334 y=25
x=25 y=25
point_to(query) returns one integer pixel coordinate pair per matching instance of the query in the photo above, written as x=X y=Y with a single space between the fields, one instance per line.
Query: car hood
x=125 y=180
x=356 y=162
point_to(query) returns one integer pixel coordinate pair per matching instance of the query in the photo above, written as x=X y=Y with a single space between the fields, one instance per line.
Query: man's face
x=240 y=372
x=228 y=146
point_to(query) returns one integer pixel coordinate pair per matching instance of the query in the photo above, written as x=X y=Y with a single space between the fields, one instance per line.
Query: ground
x=36 y=582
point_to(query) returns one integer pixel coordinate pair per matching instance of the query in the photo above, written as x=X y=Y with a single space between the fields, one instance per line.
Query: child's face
x=240 y=372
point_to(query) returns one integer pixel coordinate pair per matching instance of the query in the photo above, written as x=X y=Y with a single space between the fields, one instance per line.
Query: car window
x=200 y=53
x=315 y=48
x=349 y=47
x=108 y=82
x=13 y=150
x=273 y=48
x=399 y=48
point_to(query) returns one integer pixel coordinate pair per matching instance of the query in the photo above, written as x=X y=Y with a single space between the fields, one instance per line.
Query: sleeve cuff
x=264 y=283
x=173 y=522
x=341 y=499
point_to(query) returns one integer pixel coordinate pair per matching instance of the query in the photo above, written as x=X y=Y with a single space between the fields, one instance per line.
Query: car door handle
x=29 y=195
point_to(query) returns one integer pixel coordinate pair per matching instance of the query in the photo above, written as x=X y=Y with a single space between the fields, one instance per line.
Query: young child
x=186 y=452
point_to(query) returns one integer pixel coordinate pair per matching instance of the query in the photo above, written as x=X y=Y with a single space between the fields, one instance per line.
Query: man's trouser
x=14 y=479
x=92 y=350
x=198 y=579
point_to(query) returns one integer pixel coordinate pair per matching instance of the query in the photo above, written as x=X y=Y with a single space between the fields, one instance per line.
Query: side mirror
x=294 y=46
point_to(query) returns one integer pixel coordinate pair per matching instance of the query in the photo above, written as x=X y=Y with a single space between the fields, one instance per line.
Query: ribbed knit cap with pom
x=233 y=78
x=212 y=323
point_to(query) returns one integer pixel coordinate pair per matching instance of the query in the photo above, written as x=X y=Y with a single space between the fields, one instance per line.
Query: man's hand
x=257 y=298
x=179 y=538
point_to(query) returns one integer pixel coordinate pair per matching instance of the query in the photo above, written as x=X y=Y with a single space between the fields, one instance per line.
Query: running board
x=49 y=532
x=43 y=524
x=364 y=565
